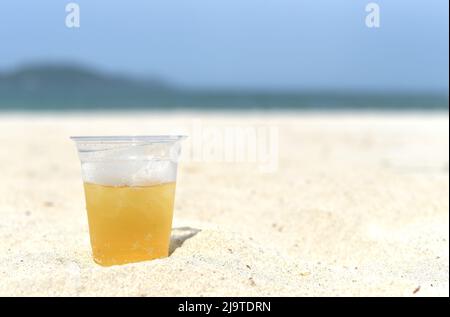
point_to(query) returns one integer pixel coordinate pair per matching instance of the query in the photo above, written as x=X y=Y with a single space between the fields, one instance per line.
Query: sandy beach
x=354 y=205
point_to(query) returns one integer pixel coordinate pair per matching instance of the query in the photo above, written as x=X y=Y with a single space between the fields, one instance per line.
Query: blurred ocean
x=64 y=88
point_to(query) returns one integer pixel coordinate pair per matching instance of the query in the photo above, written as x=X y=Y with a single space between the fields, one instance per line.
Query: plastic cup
x=129 y=186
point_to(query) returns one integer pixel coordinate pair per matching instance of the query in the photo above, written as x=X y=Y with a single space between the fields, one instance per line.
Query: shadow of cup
x=179 y=236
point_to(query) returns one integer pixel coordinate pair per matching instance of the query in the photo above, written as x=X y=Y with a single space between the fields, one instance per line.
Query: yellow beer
x=129 y=223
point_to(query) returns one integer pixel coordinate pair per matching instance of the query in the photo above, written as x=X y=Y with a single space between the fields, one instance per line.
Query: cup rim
x=128 y=138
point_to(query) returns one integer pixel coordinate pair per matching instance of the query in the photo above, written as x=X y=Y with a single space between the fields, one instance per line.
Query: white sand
x=359 y=206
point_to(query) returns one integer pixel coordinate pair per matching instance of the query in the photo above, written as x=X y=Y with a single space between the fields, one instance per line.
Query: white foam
x=129 y=172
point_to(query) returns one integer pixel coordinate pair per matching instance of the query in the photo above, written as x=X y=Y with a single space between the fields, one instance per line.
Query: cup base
x=113 y=262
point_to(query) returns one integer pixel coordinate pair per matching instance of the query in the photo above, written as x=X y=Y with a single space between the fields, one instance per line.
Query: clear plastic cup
x=129 y=186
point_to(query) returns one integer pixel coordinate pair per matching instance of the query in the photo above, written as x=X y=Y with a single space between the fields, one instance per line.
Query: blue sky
x=274 y=44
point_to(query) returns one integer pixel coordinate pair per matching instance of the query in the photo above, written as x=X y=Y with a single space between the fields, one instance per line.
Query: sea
x=223 y=101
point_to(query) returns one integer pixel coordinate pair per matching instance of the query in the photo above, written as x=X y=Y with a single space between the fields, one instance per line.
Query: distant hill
x=65 y=81
x=68 y=87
